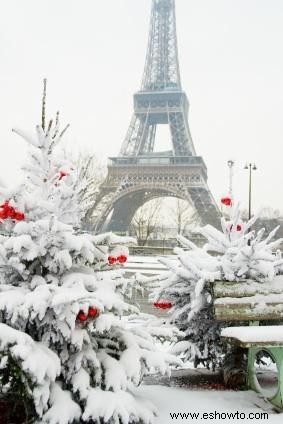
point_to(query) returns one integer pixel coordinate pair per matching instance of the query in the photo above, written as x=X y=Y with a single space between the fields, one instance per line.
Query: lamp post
x=231 y=164
x=251 y=167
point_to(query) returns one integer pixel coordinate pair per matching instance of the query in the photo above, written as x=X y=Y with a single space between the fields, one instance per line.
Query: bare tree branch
x=183 y=216
x=90 y=174
x=145 y=221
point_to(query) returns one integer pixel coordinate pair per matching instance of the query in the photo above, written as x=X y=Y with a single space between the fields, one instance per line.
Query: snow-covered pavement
x=170 y=400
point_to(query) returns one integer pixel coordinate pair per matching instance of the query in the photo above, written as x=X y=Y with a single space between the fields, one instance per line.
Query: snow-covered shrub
x=233 y=254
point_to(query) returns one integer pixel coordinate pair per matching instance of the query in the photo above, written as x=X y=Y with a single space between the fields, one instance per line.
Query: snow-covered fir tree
x=233 y=254
x=63 y=345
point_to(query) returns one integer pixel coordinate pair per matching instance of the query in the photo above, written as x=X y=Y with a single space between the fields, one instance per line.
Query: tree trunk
x=235 y=368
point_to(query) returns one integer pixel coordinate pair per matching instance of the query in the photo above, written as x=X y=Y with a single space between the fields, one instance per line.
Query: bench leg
x=277 y=354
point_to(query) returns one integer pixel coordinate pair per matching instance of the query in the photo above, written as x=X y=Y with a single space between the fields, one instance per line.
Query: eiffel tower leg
x=124 y=211
x=205 y=205
x=140 y=136
x=180 y=133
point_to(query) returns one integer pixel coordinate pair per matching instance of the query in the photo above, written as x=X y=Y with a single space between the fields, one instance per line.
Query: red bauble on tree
x=112 y=260
x=237 y=227
x=3 y=214
x=8 y=211
x=92 y=312
x=122 y=259
x=19 y=216
x=82 y=317
x=12 y=214
x=163 y=304
x=227 y=201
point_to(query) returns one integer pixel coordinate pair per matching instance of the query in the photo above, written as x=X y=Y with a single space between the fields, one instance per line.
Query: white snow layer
x=121 y=406
x=38 y=362
x=63 y=409
x=173 y=400
x=255 y=334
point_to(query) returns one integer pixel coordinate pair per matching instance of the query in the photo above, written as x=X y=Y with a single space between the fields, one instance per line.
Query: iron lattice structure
x=140 y=174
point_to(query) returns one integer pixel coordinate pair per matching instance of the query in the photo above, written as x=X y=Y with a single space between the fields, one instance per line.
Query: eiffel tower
x=140 y=174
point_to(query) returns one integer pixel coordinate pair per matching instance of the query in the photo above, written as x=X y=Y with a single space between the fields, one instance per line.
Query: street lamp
x=231 y=164
x=251 y=167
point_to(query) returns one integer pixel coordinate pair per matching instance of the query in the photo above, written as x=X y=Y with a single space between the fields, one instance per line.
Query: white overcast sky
x=93 y=52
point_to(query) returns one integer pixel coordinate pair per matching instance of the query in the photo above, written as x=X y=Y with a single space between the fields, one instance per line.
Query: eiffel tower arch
x=140 y=174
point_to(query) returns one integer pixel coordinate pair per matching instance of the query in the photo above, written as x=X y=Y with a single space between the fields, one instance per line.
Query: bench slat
x=241 y=314
x=246 y=288
x=248 y=300
x=247 y=312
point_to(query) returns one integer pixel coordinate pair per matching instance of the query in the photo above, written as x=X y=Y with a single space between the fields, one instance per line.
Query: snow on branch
x=40 y=365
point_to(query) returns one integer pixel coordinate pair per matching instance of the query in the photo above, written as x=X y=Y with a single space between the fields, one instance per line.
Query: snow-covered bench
x=248 y=300
x=255 y=303
x=261 y=341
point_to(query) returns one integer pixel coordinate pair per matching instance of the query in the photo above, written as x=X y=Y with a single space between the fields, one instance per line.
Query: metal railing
x=156 y=160
x=150 y=250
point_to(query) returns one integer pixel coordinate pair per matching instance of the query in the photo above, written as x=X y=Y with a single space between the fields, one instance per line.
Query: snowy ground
x=201 y=391
x=177 y=400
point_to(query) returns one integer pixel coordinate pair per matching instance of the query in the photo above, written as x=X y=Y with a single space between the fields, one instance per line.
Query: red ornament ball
x=239 y=227
x=122 y=259
x=82 y=317
x=5 y=205
x=163 y=305
x=227 y=201
x=92 y=312
x=111 y=260
x=19 y=216
x=8 y=211
x=12 y=213
x=3 y=214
